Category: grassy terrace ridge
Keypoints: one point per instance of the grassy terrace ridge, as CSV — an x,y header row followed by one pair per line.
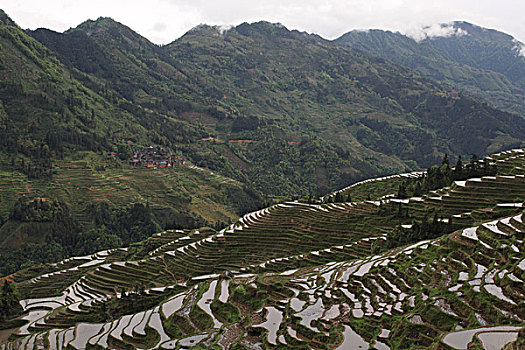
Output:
x,y
80,182
301,275
385,186
95,192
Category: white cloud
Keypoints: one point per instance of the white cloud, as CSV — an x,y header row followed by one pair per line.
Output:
x,y
519,48
434,31
328,18
224,28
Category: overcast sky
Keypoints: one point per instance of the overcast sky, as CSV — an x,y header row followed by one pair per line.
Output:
x,y
163,21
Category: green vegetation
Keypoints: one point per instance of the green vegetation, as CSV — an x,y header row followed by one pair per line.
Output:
x,y
322,118
12,324
200,318
249,296
307,275
9,302
177,325
225,312
419,231
477,62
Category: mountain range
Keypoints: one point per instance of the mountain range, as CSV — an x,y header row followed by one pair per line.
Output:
x,y
265,83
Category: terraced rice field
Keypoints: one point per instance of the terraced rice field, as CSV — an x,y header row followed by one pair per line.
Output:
x,y
79,184
299,275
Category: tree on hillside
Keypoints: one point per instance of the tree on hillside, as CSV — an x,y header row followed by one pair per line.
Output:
x,y
458,169
339,198
9,301
124,151
445,160
402,191
417,189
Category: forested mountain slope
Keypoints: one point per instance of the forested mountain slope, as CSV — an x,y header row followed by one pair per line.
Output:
x,y
262,82
480,61
60,192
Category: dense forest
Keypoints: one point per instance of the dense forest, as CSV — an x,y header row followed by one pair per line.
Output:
x,y
9,302
64,237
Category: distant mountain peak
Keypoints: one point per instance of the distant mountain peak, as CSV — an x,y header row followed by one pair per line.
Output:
x,y
261,29
110,28
261,25
6,20
207,29
265,25
105,25
104,21
99,25
478,60
450,30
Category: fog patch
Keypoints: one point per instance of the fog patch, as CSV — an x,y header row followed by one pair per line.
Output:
x,y
443,30
519,48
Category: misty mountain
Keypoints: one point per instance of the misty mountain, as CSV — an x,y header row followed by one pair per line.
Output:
x,y
482,62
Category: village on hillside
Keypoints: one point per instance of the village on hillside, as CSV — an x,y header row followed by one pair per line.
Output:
x,y
155,157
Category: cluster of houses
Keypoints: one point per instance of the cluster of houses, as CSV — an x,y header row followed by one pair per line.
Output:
x,y
154,157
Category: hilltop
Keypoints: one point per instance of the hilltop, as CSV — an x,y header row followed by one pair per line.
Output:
x,y
305,274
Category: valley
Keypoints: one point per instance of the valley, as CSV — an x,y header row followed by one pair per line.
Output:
x,y
256,187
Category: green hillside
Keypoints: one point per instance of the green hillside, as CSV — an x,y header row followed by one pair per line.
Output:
x,y
273,113
480,61
264,83
119,204
304,275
